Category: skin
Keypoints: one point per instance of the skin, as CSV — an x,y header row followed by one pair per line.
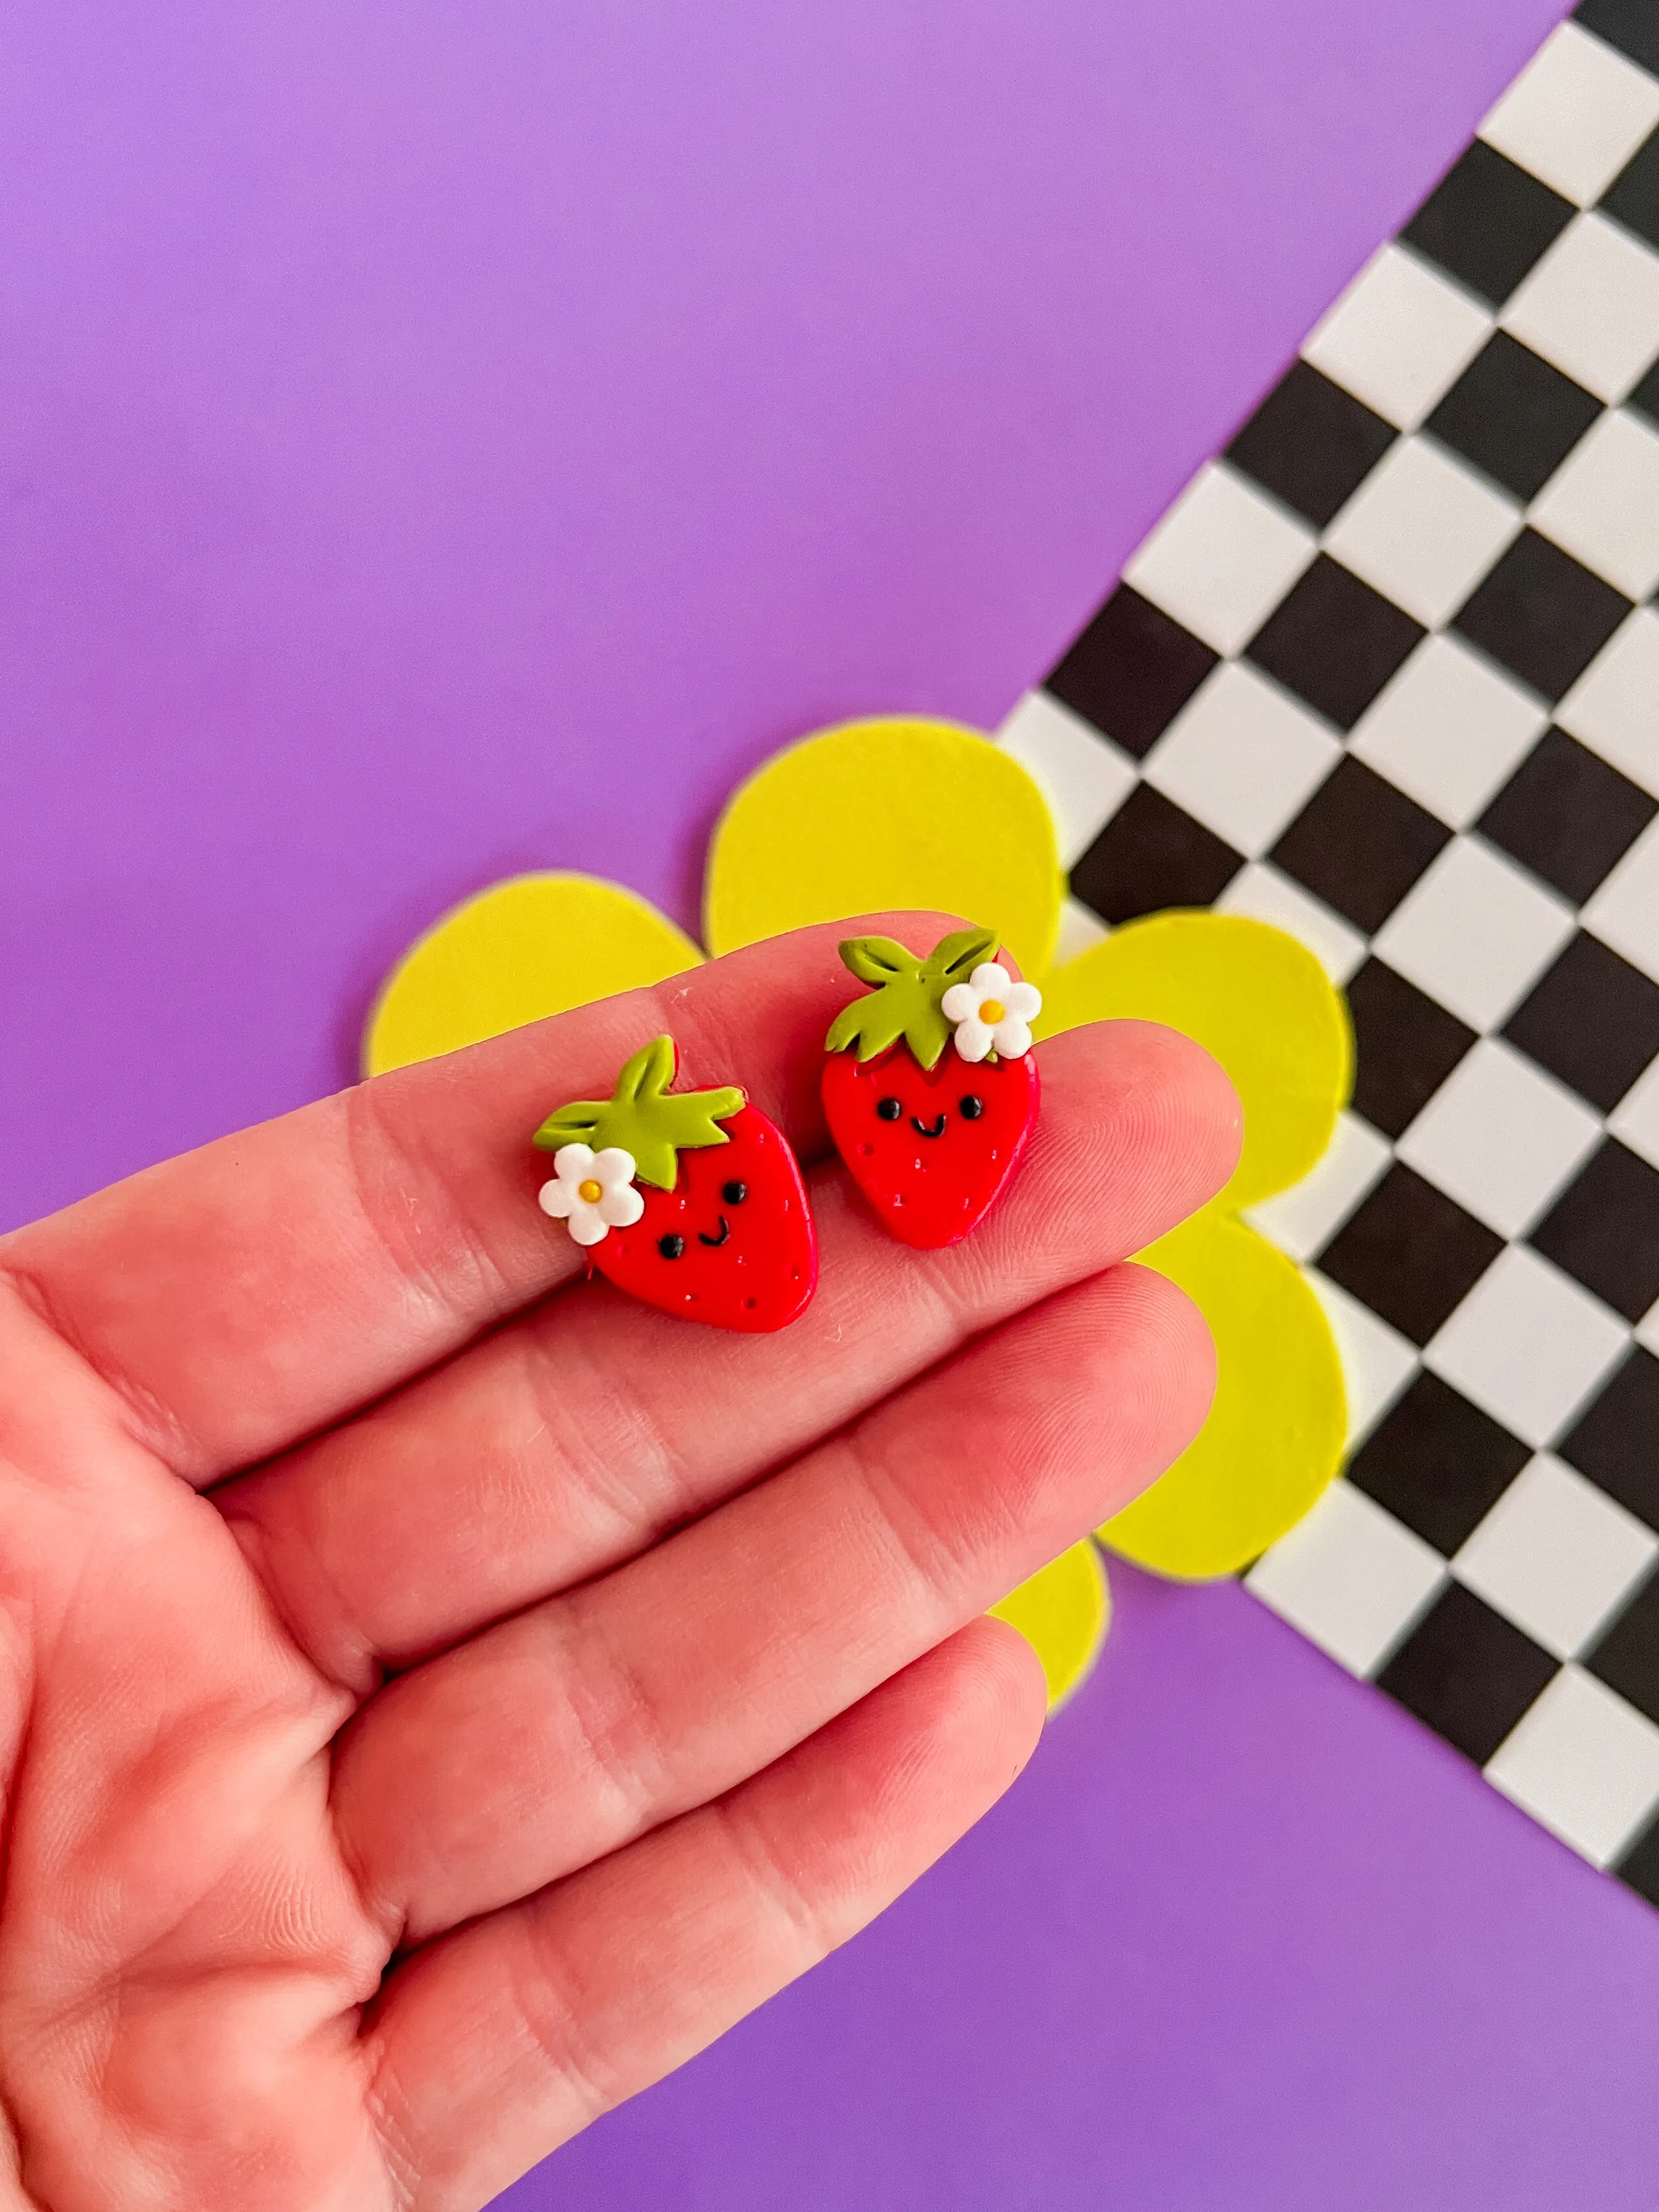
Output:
x,y
438,1695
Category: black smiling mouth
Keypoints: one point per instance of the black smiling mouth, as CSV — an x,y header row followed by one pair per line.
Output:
x,y
703,1237
922,1129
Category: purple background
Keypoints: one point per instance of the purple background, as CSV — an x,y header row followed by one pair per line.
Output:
x,y
439,441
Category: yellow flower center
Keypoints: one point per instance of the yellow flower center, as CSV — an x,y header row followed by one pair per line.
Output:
x,y
992,1010
592,1191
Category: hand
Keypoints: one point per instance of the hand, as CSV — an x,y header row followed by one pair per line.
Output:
x,y
438,1696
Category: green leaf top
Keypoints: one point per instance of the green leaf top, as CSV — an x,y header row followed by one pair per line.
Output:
x,y
641,1119
905,1002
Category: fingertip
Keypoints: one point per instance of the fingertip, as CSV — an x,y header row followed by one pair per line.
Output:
x,y
1125,1369
1157,1111
992,1702
1014,1684
1180,1357
1203,1120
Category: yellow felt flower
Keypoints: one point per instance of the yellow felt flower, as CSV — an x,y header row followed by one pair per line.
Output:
x,y
904,812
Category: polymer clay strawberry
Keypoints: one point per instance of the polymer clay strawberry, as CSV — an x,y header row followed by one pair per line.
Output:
x,y
933,1110
690,1201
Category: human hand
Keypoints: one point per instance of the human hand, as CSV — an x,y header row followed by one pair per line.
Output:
x,y
437,1696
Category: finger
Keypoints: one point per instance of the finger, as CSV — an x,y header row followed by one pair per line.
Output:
x,y
564,1733
567,1442
499,2043
253,1291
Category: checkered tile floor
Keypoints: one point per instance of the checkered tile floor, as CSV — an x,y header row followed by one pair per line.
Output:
x,y
1387,674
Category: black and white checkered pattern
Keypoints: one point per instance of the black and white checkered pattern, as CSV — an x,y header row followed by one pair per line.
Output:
x,y
1387,674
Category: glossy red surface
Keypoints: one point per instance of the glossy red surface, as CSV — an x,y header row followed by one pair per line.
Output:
x,y
748,1262
931,1171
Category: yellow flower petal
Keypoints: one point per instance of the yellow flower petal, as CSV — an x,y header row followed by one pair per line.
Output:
x,y
1063,1612
1275,1433
1248,993
897,812
525,948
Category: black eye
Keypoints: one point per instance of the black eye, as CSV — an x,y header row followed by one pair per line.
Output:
x,y
970,1108
734,1193
670,1247
889,1109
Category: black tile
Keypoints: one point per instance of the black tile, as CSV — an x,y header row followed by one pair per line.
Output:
x,y
1132,671
1438,1463
1542,614
1633,195
1487,221
1334,641
1603,1231
1407,1045
1566,815
1152,854
1310,443
1592,1019
1468,1673
1513,416
1646,395
1615,1440
1627,1657
1639,1867
1359,844
1410,1254
1632,26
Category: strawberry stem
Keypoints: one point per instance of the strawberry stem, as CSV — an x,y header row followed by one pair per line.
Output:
x,y
905,1001
640,1118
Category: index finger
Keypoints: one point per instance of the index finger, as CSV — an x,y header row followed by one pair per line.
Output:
x,y
248,1294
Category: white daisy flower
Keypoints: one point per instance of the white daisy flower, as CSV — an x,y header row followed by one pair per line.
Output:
x,y
593,1191
992,1013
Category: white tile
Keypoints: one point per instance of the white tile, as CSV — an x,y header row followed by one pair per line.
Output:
x,y
1399,338
1262,893
1635,1120
1583,1763
1602,503
1221,559
1377,1362
1556,1556
1241,757
1080,931
1350,1577
1448,730
1613,708
1084,777
1647,1331
1475,932
1302,1219
1625,911
1591,306
1422,529
1500,1137
1528,1345
1574,115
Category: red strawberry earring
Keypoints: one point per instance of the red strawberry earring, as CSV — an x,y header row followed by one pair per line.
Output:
x,y
692,1202
931,1136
